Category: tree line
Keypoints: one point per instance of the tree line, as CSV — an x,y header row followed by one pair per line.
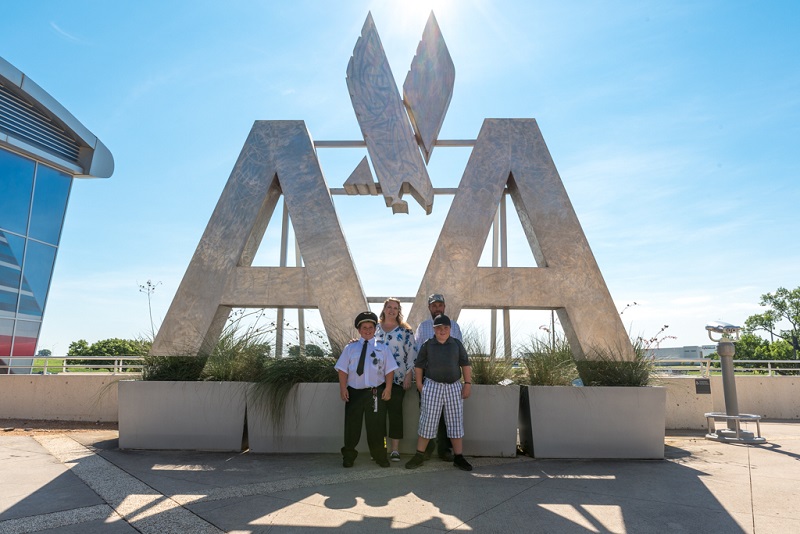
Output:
x,y
775,333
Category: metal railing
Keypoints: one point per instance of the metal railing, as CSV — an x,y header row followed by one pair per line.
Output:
x,y
47,365
682,366
706,367
765,367
115,365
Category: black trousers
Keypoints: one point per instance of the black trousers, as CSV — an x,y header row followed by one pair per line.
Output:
x,y
361,406
394,409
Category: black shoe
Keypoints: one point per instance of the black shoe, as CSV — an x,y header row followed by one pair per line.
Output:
x,y
447,456
348,457
462,463
383,462
415,462
429,450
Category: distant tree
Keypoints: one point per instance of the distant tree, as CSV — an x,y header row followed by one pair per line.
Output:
x,y
45,353
79,348
119,347
107,347
780,350
751,347
783,307
311,350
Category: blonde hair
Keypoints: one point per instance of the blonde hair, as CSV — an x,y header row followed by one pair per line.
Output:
x,y
400,319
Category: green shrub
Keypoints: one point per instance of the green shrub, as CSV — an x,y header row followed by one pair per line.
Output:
x,y
166,368
608,367
486,367
242,354
548,364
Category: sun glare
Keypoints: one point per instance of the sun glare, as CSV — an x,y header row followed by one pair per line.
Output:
x,y
411,15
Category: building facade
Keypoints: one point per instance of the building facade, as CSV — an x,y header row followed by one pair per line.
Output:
x,y
43,148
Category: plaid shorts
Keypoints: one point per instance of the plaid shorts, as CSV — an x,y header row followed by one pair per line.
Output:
x,y
436,395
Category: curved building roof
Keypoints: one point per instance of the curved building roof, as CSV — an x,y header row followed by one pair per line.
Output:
x,y
33,122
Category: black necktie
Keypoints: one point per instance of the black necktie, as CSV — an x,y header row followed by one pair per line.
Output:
x,y
360,368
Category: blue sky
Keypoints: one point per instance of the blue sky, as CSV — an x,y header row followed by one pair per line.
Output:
x,y
674,126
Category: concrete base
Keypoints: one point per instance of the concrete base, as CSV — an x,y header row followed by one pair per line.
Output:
x,y
67,397
202,416
490,421
314,423
597,422
86,397
315,417
731,436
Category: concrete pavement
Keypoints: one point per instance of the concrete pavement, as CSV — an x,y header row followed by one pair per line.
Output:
x,y
83,483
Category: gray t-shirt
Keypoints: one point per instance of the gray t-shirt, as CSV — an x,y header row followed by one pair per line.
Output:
x,y
442,362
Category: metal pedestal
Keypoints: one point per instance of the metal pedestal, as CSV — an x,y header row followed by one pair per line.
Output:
x,y
734,434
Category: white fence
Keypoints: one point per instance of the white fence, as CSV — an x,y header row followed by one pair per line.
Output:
x,y
49,365
706,367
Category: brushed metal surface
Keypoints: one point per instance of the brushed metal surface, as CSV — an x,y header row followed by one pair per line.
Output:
x,y
361,181
428,87
277,159
391,144
512,152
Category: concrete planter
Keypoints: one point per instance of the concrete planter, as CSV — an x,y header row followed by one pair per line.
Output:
x,y
207,416
593,422
314,422
490,421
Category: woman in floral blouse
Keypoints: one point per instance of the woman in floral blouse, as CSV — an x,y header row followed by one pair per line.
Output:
x,y
395,333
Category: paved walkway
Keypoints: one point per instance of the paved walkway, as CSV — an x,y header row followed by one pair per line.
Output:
x,y
82,483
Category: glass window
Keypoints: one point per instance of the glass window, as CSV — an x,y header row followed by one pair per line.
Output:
x,y
6,329
36,274
16,181
49,203
11,249
25,338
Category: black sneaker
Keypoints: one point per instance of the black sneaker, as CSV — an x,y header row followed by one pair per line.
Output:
x,y
383,462
347,463
462,463
415,462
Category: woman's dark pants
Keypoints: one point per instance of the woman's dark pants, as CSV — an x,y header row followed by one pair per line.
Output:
x,y
394,409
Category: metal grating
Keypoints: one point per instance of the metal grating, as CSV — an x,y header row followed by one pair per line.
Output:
x,y
22,120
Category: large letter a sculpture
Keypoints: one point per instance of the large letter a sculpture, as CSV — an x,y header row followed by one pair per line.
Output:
x,y
512,152
277,158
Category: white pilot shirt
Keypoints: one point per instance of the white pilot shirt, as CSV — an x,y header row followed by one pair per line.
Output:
x,y
378,363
